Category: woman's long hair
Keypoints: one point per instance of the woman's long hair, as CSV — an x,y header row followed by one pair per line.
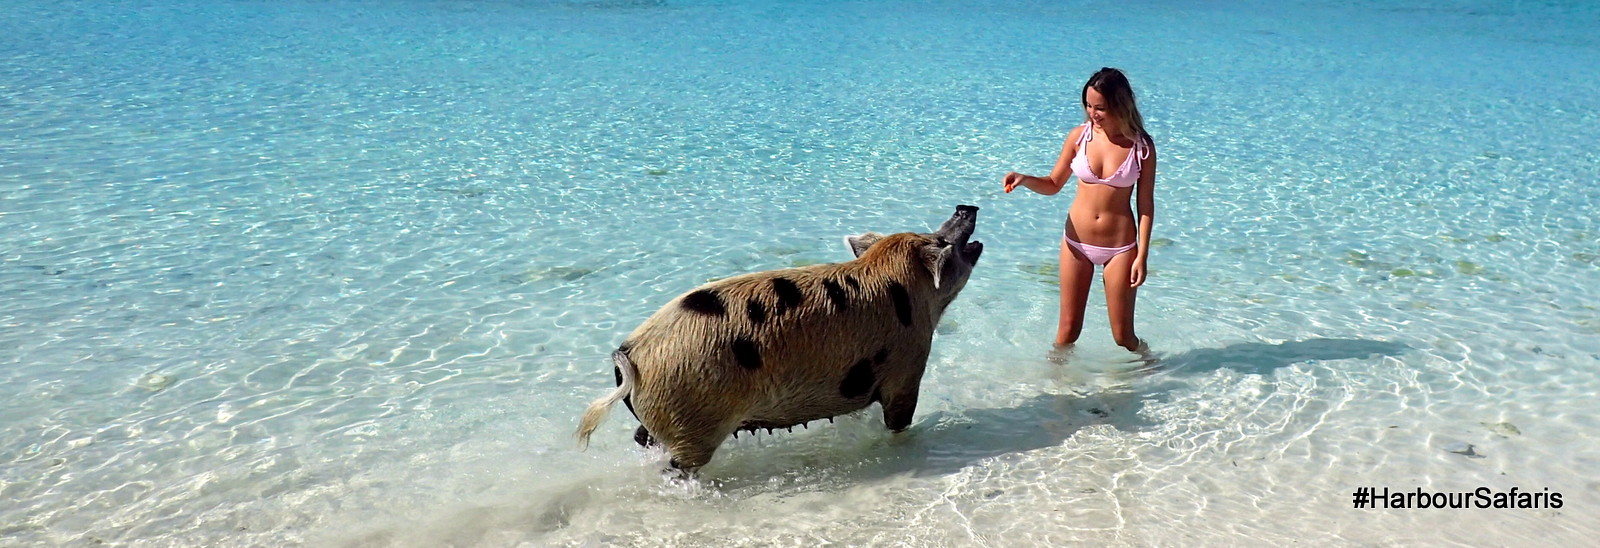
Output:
x,y
1113,85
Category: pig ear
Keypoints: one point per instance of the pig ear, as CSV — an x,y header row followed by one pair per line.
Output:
x,y
933,257
859,243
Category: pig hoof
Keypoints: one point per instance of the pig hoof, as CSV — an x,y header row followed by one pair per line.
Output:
x,y
643,438
678,472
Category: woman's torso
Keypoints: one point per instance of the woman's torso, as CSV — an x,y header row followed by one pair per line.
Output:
x,y
1100,213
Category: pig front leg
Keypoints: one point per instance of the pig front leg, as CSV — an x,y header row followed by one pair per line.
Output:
x,y
899,392
898,409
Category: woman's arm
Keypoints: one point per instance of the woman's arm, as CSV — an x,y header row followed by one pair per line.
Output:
x,y
1058,176
1145,196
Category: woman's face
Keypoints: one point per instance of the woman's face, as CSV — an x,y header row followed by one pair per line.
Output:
x,y
1098,110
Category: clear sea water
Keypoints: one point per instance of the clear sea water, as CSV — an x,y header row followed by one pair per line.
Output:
x,y
346,272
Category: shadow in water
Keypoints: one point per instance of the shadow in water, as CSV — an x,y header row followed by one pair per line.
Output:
x,y
948,441
940,443
1262,359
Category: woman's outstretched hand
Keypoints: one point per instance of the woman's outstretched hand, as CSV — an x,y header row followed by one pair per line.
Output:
x,y
1011,180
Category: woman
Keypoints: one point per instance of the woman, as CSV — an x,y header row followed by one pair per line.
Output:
x,y
1114,160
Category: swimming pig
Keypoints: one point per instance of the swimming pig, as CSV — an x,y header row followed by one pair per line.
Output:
x,y
781,348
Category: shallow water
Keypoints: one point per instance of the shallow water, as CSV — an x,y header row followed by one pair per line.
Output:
x,y
345,273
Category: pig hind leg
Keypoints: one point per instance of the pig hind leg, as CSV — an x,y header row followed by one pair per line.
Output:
x,y
643,438
689,453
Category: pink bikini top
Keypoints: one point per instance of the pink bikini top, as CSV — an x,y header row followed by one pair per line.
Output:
x,y
1123,177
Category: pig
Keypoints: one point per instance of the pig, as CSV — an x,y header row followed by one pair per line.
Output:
x,y
781,348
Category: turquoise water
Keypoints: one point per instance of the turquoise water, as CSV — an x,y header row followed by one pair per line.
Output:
x,y
345,273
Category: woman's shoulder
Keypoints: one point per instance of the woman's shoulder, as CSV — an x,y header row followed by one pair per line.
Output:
x,y
1146,142
1077,132
1146,148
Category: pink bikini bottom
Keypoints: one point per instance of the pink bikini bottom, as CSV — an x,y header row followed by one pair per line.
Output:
x,y
1096,254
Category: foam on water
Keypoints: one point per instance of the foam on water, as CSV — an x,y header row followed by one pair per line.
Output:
x,y
345,273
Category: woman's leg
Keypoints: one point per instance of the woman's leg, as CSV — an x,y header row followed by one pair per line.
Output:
x,y
1120,297
1076,275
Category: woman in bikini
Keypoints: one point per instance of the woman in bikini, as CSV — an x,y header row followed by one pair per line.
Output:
x,y
1101,228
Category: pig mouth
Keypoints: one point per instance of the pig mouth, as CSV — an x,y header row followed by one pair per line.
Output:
x,y
958,229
